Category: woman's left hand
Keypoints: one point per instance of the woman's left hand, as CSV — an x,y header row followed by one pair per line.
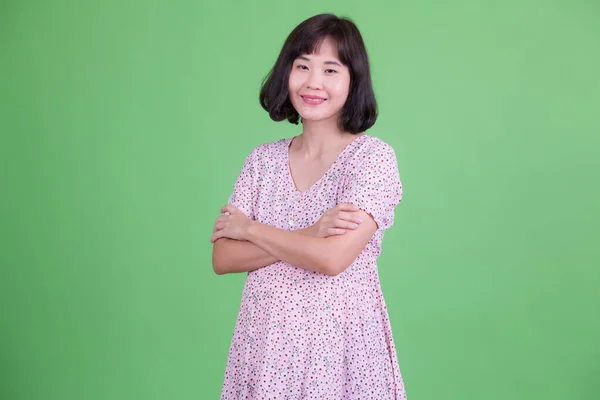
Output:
x,y
232,226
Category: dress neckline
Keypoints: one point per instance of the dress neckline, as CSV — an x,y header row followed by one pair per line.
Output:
x,y
288,142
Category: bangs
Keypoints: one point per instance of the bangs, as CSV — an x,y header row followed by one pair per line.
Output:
x,y
309,42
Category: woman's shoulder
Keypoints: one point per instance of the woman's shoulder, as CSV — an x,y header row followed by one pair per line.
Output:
x,y
373,145
270,149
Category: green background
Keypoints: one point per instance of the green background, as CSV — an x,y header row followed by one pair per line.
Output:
x,y
125,123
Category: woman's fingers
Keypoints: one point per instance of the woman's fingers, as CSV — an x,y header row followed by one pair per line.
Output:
x,y
217,235
349,217
218,226
345,224
335,231
220,222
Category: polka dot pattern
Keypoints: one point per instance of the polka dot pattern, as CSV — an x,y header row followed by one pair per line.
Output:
x,y
305,335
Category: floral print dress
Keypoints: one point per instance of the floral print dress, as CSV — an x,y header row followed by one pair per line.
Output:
x,y
302,334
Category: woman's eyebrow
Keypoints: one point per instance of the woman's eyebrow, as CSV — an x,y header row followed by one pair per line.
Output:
x,y
326,62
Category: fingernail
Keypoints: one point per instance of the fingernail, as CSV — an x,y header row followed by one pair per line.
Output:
x,y
358,220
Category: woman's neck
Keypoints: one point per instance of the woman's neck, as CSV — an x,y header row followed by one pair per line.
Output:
x,y
320,138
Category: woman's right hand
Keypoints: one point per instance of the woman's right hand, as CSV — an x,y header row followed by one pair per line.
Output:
x,y
336,221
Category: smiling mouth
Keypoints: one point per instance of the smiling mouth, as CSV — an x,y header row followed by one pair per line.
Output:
x,y
313,100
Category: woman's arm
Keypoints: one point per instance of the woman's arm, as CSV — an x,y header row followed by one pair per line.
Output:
x,y
329,256
233,256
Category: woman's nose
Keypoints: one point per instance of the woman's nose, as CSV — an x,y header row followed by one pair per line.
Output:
x,y
315,80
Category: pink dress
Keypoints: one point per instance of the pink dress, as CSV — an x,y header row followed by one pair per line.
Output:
x,y
302,334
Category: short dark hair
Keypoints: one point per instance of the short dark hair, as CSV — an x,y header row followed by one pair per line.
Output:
x,y
360,110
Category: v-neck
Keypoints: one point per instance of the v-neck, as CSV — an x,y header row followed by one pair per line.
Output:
x,y
289,169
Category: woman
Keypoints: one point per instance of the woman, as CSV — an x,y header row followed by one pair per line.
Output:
x,y
306,221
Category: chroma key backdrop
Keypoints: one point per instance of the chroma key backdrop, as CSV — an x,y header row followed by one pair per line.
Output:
x,y
124,126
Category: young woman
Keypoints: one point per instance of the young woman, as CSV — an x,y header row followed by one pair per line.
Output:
x,y
306,221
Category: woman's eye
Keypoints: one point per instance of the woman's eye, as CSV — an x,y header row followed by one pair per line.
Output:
x,y
330,70
302,67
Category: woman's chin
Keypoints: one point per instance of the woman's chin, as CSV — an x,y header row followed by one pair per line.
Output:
x,y
315,117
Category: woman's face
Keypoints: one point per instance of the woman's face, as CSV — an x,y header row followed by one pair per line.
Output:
x,y
319,83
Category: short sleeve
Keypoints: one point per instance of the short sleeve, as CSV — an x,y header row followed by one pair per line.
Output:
x,y
244,192
374,184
